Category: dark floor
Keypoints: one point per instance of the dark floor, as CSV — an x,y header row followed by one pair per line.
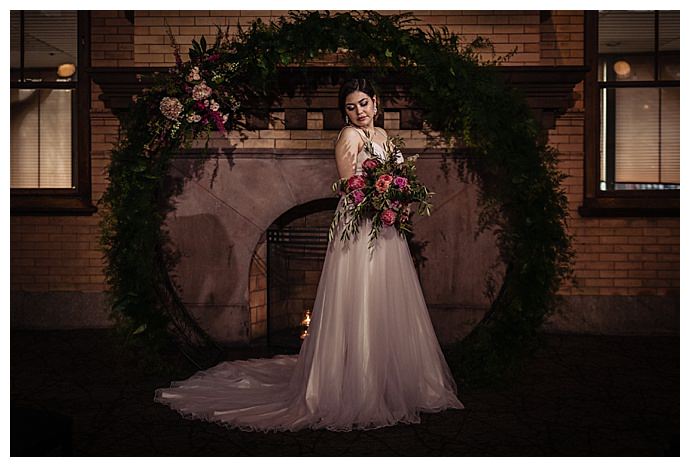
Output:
x,y
75,392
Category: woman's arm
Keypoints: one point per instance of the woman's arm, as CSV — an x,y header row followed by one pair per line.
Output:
x,y
346,149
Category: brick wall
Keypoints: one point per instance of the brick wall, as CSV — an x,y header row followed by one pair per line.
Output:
x,y
55,254
112,42
615,256
518,30
562,38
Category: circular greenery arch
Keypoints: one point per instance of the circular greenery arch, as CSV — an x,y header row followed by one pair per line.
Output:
x,y
485,125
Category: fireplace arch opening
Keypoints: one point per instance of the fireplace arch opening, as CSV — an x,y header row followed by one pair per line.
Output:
x,y
285,271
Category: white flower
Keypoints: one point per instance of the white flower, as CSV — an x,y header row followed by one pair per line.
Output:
x,y
194,74
171,108
201,91
193,118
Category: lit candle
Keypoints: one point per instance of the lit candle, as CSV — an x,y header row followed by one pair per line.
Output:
x,y
305,323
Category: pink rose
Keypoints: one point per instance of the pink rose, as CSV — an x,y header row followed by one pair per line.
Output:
x,y
383,183
400,182
357,196
388,217
356,182
370,164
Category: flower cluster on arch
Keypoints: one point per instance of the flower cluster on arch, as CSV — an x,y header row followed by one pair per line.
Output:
x,y
195,97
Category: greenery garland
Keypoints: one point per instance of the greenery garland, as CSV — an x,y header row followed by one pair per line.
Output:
x,y
486,126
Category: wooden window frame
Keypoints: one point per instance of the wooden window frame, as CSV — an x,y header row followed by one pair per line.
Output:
x,y
596,202
77,200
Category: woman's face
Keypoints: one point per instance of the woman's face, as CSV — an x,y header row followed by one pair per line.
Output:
x,y
359,108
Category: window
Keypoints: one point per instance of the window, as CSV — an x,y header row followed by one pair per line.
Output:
x,y
632,160
49,102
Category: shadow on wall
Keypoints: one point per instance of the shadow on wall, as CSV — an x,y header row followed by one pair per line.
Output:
x,y
205,270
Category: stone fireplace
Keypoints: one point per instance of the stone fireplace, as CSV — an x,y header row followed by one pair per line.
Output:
x,y
251,229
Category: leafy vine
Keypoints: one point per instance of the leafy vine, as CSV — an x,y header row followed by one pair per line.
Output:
x,y
487,128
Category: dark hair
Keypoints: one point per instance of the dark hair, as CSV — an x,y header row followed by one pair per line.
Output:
x,y
358,84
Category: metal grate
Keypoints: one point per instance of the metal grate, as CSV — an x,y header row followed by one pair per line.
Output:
x,y
300,242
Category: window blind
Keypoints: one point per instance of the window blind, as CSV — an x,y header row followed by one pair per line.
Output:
x,y
40,138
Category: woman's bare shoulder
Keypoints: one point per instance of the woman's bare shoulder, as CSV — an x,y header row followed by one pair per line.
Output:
x,y
382,131
349,134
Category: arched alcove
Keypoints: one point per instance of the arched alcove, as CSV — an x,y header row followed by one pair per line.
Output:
x,y
241,194
296,248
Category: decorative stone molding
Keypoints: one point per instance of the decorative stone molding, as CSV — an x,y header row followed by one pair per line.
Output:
x,y
548,91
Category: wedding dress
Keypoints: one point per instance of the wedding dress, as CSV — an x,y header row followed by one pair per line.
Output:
x,y
371,358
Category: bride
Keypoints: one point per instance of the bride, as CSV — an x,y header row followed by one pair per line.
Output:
x,y
371,358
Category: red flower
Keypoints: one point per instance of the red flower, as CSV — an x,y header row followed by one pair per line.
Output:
x,y
388,217
370,164
356,182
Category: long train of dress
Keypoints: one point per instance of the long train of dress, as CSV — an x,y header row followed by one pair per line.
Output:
x,y
371,358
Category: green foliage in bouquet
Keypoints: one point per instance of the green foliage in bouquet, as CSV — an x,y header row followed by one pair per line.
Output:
x,y
383,192
488,130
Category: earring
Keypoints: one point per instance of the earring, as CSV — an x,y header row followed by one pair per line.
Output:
x,y
347,120
376,110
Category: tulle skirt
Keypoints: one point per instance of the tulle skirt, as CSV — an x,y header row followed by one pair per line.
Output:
x,y
371,358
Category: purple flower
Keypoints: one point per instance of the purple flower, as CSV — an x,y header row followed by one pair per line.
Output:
x,y
219,121
400,182
357,196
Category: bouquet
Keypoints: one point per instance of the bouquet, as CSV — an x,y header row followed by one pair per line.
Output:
x,y
197,96
383,192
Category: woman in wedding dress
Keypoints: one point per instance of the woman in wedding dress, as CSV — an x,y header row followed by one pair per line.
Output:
x,y
371,358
